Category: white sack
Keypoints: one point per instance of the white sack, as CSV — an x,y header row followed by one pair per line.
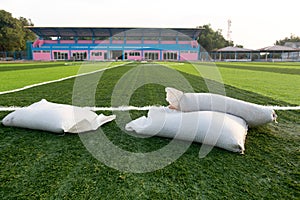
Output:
x,y
207,127
253,114
56,118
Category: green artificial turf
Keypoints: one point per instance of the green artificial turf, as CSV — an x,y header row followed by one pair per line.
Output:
x,y
17,75
41,165
276,80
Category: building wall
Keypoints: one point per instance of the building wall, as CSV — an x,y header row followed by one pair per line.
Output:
x,y
97,55
42,55
189,55
64,49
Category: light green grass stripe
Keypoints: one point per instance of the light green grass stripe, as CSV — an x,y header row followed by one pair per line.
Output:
x,y
284,87
282,65
13,79
57,80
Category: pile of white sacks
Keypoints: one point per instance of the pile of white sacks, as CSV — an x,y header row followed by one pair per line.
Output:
x,y
205,118
198,117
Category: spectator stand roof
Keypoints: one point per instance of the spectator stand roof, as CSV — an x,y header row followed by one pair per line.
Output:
x,y
234,49
193,33
279,49
278,52
233,54
270,53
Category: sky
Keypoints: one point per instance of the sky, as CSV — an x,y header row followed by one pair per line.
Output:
x,y
254,24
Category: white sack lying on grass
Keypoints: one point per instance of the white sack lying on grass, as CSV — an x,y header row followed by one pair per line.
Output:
x,y
57,118
208,127
253,114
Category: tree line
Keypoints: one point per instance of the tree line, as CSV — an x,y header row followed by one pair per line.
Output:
x,y
292,38
212,40
14,35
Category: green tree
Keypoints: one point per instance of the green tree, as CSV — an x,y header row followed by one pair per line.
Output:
x,y
13,35
212,40
292,38
240,46
28,34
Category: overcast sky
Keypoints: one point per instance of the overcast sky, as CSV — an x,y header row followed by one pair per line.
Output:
x,y
255,23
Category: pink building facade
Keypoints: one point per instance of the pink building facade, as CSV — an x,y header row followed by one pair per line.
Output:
x,y
56,43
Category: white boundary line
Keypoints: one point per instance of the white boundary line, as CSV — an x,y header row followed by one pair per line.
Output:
x,y
12,108
284,108
120,108
58,80
127,108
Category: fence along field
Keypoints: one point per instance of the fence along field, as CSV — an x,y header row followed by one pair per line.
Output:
x,y
42,165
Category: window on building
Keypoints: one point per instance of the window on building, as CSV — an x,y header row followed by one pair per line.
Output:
x,y
134,53
151,56
60,56
170,56
97,54
79,56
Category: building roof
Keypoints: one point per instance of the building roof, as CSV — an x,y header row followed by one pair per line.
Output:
x,y
234,49
278,48
110,31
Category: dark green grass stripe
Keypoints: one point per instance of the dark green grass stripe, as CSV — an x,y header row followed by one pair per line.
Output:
x,y
29,67
262,69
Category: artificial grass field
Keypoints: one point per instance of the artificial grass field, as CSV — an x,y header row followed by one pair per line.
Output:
x,y
41,165
32,73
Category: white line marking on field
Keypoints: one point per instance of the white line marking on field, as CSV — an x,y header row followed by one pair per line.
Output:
x,y
121,108
128,108
284,108
58,80
12,108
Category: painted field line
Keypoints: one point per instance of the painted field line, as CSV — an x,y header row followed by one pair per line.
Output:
x,y
12,108
120,108
284,108
128,108
58,80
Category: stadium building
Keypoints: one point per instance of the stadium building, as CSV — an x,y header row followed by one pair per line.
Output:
x,y
66,43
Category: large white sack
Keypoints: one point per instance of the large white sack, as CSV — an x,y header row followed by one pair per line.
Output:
x,y
207,127
57,118
253,114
